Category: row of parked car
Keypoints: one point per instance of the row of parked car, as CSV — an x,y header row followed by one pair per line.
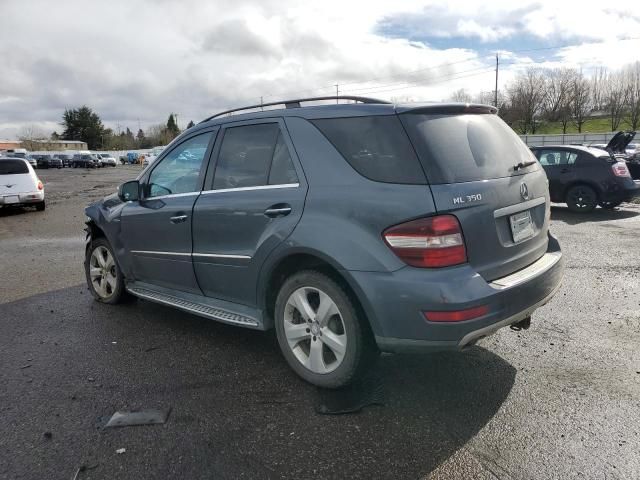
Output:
x,y
85,159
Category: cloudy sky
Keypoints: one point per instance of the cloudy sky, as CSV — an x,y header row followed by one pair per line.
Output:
x,y
134,61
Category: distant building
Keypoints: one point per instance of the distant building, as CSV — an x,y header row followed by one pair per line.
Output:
x,y
37,145
7,144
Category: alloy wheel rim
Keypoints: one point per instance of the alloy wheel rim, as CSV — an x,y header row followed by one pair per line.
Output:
x,y
582,198
314,330
102,271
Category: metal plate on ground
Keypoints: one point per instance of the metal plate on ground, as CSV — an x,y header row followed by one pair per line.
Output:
x,y
138,417
353,398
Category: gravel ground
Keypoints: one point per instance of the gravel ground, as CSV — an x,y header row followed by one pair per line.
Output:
x,y
560,400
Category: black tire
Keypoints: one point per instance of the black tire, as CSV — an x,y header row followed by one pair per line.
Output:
x,y
609,205
41,206
581,199
118,293
360,351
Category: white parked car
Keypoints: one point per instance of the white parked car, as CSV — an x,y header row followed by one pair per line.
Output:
x,y
19,184
106,159
150,157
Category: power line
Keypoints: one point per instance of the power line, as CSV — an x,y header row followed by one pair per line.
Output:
x,y
415,81
429,83
434,80
375,79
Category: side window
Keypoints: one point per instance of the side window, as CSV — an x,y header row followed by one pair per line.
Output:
x,y
552,158
571,158
282,169
253,155
376,147
549,158
179,171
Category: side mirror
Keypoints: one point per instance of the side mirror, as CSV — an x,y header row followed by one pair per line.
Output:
x,y
129,191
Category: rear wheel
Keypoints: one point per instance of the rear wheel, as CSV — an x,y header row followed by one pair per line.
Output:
x,y
609,205
40,206
104,278
322,335
581,198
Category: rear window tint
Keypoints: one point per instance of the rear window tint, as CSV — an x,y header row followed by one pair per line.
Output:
x,y
376,147
13,167
466,148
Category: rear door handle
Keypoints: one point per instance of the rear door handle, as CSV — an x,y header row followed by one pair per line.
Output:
x,y
179,218
279,210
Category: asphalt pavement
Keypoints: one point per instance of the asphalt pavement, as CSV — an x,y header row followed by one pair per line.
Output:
x,y
560,400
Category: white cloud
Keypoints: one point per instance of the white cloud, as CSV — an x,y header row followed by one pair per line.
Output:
x,y
138,60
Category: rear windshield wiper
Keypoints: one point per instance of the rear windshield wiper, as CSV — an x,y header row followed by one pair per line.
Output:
x,y
523,165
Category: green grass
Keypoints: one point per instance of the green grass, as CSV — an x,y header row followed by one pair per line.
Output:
x,y
593,125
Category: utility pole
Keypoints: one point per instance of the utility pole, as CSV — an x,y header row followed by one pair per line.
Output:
x,y
337,92
175,115
495,94
261,108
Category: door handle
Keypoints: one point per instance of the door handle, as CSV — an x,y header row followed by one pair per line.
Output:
x,y
279,210
179,218
565,170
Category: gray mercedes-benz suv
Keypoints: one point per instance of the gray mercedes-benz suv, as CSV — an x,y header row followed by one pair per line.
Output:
x,y
349,228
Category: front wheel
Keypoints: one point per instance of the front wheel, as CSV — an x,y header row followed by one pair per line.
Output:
x,y
104,277
581,198
323,337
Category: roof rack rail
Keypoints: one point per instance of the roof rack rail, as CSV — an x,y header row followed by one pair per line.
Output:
x,y
295,103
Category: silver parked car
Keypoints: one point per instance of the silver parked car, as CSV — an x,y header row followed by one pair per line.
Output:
x,y
106,159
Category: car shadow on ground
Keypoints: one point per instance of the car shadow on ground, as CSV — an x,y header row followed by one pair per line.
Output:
x,y
11,211
563,214
238,411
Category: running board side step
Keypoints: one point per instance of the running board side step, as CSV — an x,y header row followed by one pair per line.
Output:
x,y
193,305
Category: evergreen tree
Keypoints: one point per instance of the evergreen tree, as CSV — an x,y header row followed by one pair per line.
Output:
x,y
140,135
190,124
84,125
172,126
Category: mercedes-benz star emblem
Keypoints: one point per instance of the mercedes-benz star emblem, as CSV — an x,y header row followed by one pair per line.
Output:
x,y
524,191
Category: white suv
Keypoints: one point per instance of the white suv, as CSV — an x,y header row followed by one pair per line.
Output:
x,y
19,184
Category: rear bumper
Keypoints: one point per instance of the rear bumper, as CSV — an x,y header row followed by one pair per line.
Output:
x,y
633,191
395,302
22,198
626,191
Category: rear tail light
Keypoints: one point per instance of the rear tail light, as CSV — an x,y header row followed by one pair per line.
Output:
x,y
457,315
430,242
40,185
620,169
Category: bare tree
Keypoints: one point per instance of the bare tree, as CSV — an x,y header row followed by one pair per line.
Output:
x,y
581,98
33,139
597,87
526,99
632,87
461,96
615,98
557,87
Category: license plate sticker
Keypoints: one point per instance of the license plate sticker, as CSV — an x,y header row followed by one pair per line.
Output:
x,y
11,199
521,226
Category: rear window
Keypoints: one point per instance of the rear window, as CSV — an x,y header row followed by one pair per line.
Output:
x,y
466,148
13,167
376,147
